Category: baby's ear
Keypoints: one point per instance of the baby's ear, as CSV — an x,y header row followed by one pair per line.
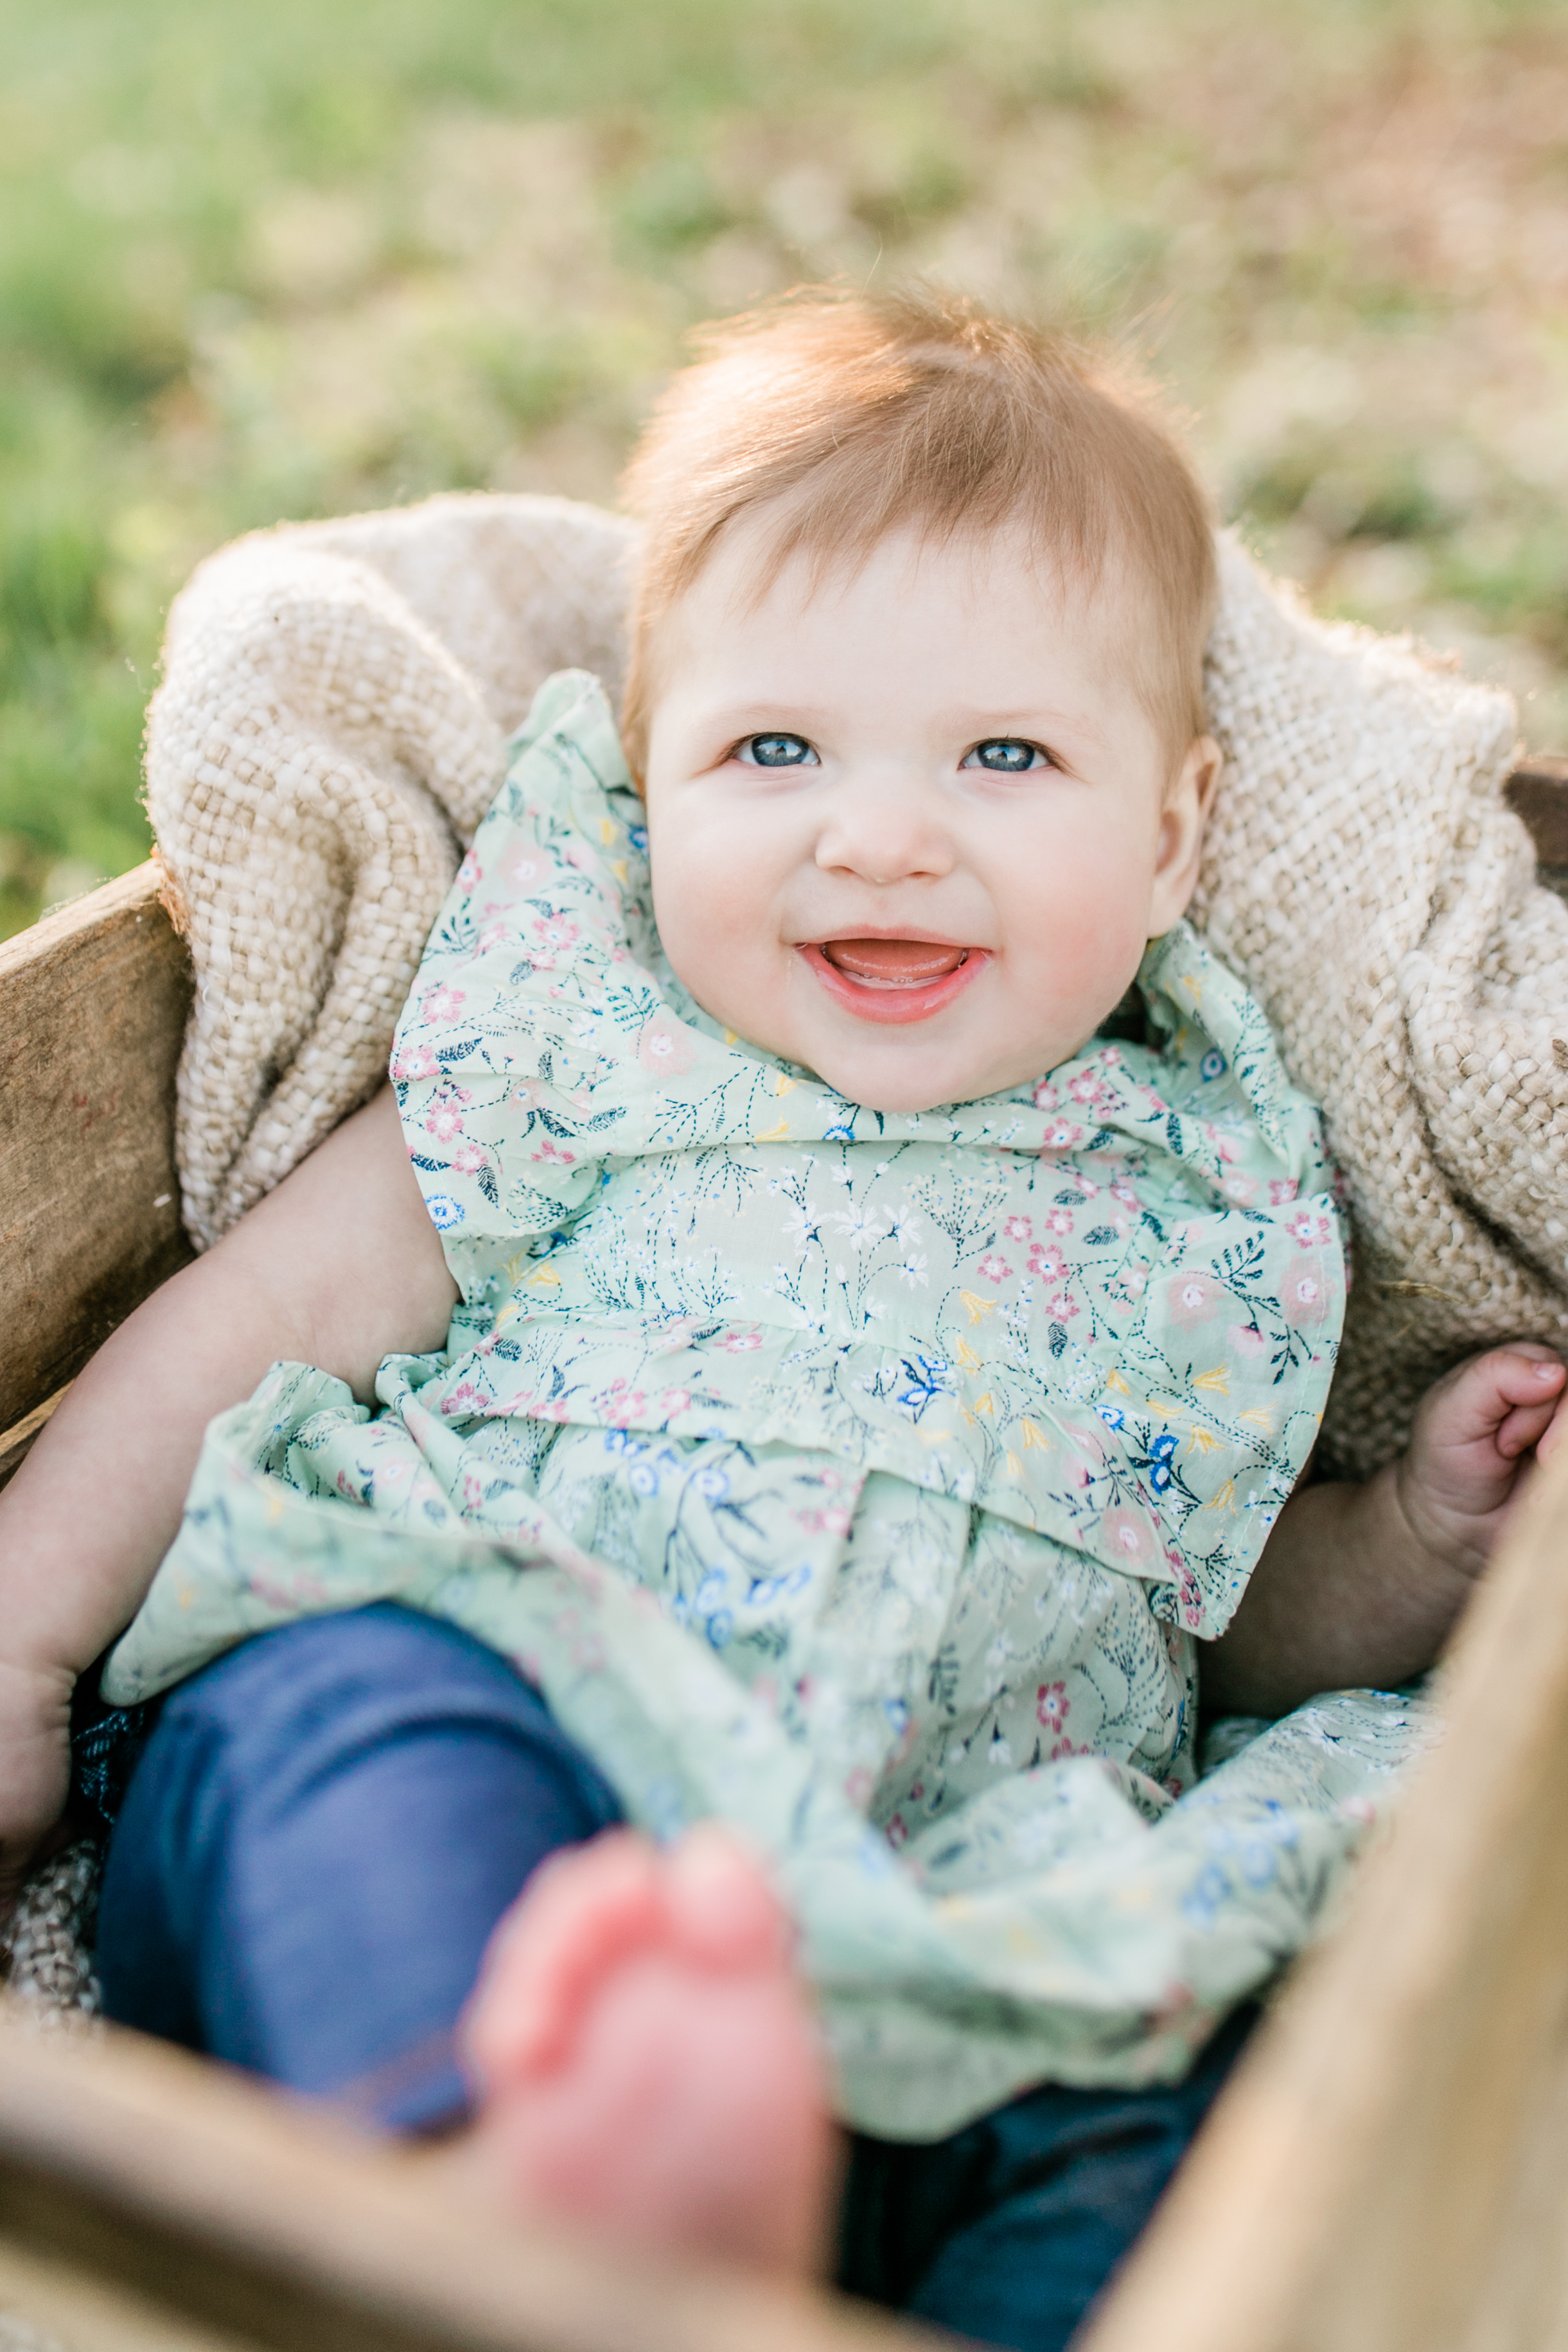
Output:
x,y
1186,812
1206,759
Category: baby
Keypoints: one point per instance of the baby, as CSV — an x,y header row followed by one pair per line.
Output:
x,y
840,1360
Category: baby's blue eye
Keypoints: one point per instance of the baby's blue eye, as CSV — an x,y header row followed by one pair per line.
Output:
x,y
1004,756
777,752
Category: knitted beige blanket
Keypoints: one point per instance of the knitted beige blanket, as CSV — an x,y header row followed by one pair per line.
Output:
x,y
330,728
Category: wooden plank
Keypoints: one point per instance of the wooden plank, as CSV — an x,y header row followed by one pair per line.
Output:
x,y
1538,791
92,1013
168,2182
50,2308
13,1446
1389,2170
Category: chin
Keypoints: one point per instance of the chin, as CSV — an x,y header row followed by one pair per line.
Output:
x,y
900,1096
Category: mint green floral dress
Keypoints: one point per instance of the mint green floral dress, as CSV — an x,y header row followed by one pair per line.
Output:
x,y
869,1481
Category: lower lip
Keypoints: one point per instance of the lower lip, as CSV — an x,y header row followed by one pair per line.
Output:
x,y
894,1004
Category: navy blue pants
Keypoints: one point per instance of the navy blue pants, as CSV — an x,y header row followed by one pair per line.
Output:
x,y
320,1833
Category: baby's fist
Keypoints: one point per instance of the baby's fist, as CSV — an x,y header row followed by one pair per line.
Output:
x,y
1469,1448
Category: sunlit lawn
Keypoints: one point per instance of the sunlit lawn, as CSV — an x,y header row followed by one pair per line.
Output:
x,y
288,260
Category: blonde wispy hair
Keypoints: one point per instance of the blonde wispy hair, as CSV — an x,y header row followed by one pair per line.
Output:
x,y
834,419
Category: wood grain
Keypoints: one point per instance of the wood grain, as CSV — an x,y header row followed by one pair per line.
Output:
x,y
175,2186
92,1013
1388,2172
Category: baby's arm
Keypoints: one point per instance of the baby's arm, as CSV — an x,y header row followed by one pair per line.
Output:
x,y
338,1267
1362,1585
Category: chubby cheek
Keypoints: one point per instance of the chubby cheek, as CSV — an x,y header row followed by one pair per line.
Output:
x,y
711,907
1079,912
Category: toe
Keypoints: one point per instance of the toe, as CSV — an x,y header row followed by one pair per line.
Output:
x,y
580,1917
723,1914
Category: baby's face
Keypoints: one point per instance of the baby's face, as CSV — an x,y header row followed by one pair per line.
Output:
x,y
913,828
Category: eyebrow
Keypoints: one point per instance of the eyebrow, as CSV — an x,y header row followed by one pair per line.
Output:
x,y
977,722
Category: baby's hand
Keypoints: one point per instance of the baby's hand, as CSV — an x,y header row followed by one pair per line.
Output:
x,y
1470,1448
35,1768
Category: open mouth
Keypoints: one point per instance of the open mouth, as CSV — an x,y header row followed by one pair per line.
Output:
x,y
893,980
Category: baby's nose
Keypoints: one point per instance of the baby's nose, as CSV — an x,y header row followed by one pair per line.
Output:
x,y
885,835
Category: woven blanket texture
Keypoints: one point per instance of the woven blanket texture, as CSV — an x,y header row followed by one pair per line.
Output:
x,y
45,1946
329,730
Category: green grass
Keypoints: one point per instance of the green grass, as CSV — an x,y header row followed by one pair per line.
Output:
x,y
306,259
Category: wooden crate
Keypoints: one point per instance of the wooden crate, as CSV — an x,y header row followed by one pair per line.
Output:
x,y
1388,2172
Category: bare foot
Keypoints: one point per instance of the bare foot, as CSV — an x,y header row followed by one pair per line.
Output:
x,y
646,2059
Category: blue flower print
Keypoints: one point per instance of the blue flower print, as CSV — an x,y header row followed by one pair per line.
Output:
x,y
929,1378
1213,1064
445,1212
1160,1457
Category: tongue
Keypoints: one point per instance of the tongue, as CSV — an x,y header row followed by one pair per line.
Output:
x,y
903,963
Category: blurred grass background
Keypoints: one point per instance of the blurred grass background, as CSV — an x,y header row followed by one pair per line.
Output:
x,y
327,254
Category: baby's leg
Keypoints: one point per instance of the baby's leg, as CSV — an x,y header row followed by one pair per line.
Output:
x,y
313,1857
316,1844
647,2057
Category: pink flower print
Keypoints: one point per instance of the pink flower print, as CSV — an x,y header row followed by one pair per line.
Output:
x,y
1225,1147
674,1401
1191,1594
833,1519
738,1343
1063,1749
525,868
443,1123
1046,1096
1046,1262
897,1832
1246,1339
1019,1229
469,1158
443,1003
493,936
411,1061
623,1404
1085,1184
1307,1230
557,931
1111,1056
1060,1135
1193,1298
463,1399
994,1268
1282,1190
1061,1306
470,871
1127,1533
1122,1190
1086,1086
665,1048
1052,1705
1304,1293
1059,1220
1240,1188
554,1152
